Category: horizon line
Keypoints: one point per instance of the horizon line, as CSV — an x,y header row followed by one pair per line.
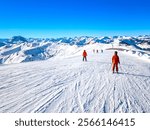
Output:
x,y
76,36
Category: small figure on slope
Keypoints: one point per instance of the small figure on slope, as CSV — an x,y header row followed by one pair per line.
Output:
x,y
84,55
115,61
93,50
96,51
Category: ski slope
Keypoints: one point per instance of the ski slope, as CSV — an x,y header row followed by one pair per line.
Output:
x,y
67,84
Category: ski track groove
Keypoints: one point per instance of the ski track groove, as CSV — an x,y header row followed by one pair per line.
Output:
x,y
133,84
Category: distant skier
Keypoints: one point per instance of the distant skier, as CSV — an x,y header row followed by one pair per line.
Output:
x,y
96,51
84,55
93,50
115,61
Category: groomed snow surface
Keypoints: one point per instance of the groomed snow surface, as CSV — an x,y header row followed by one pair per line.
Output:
x,y
67,84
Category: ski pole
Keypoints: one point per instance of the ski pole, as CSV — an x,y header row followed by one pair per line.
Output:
x,y
110,67
120,67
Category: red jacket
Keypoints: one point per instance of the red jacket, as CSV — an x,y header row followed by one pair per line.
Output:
x,y
84,54
115,59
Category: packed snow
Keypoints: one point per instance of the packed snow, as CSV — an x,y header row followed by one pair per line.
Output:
x,y
62,82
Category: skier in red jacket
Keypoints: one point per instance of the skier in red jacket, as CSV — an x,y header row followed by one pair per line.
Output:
x,y
84,55
115,61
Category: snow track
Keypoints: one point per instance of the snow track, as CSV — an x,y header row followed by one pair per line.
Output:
x,y
70,85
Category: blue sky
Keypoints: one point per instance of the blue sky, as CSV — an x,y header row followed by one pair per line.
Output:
x,y
59,18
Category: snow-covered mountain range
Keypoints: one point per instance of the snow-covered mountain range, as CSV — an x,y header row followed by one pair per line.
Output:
x,y
19,49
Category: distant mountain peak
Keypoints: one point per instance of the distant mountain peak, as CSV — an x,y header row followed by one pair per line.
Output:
x,y
18,39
